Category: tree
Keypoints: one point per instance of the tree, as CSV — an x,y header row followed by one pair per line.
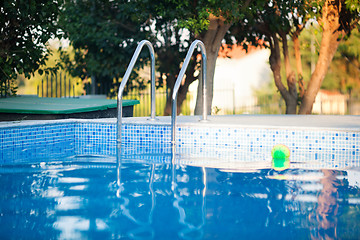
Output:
x,y
344,72
25,28
35,82
104,40
337,19
170,54
278,22
207,21
104,35
171,42
221,16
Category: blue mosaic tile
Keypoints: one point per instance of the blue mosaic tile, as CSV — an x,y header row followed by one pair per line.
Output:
x,y
248,144
153,141
100,139
33,142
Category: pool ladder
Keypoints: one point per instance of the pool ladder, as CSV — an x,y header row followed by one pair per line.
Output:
x,y
196,43
178,82
125,80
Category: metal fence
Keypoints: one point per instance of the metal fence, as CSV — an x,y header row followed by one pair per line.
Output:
x,y
269,104
229,102
8,88
4,88
61,85
144,108
56,85
265,104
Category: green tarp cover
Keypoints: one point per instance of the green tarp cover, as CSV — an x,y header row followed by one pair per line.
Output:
x,y
37,105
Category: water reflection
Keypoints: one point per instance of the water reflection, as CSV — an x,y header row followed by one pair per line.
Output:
x,y
178,200
190,201
133,204
326,215
165,201
118,164
198,203
280,164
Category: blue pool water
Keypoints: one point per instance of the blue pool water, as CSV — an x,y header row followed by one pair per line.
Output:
x,y
59,180
80,199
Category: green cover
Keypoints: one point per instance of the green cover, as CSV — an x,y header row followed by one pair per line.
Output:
x,y
37,105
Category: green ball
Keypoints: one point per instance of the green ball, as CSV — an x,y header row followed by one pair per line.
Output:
x,y
280,151
280,164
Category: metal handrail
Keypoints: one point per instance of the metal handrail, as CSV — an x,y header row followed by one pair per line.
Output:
x,y
178,82
126,78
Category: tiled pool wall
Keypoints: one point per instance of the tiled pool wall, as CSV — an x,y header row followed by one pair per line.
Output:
x,y
100,139
244,144
39,141
59,140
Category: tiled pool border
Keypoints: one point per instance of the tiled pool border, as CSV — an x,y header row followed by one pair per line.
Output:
x,y
230,142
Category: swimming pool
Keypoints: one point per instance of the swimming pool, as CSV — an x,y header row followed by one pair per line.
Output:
x,y
59,180
226,138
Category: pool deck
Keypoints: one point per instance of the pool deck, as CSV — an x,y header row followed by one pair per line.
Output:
x,y
320,122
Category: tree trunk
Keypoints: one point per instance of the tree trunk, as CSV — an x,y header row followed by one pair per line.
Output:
x,y
328,206
93,85
291,94
329,44
275,65
170,85
180,100
184,87
299,69
212,41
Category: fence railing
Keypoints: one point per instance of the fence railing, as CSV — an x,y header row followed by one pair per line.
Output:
x,y
265,104
143,109
268,104
56,85
61,85
229,102
7,88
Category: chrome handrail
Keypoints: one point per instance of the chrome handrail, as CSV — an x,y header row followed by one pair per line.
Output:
x,y
126,78
178,82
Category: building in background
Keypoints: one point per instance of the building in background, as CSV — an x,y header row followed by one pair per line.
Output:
x,y
330,102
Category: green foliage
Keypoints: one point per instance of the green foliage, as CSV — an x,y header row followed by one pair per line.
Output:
x,y
353,5
194,15
25,28
278,22
344,72
30,86
266,18
104,35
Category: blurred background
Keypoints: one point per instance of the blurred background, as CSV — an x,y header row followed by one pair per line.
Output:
x,y
84,47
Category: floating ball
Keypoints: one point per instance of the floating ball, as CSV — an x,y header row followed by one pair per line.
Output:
x,y
280,151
